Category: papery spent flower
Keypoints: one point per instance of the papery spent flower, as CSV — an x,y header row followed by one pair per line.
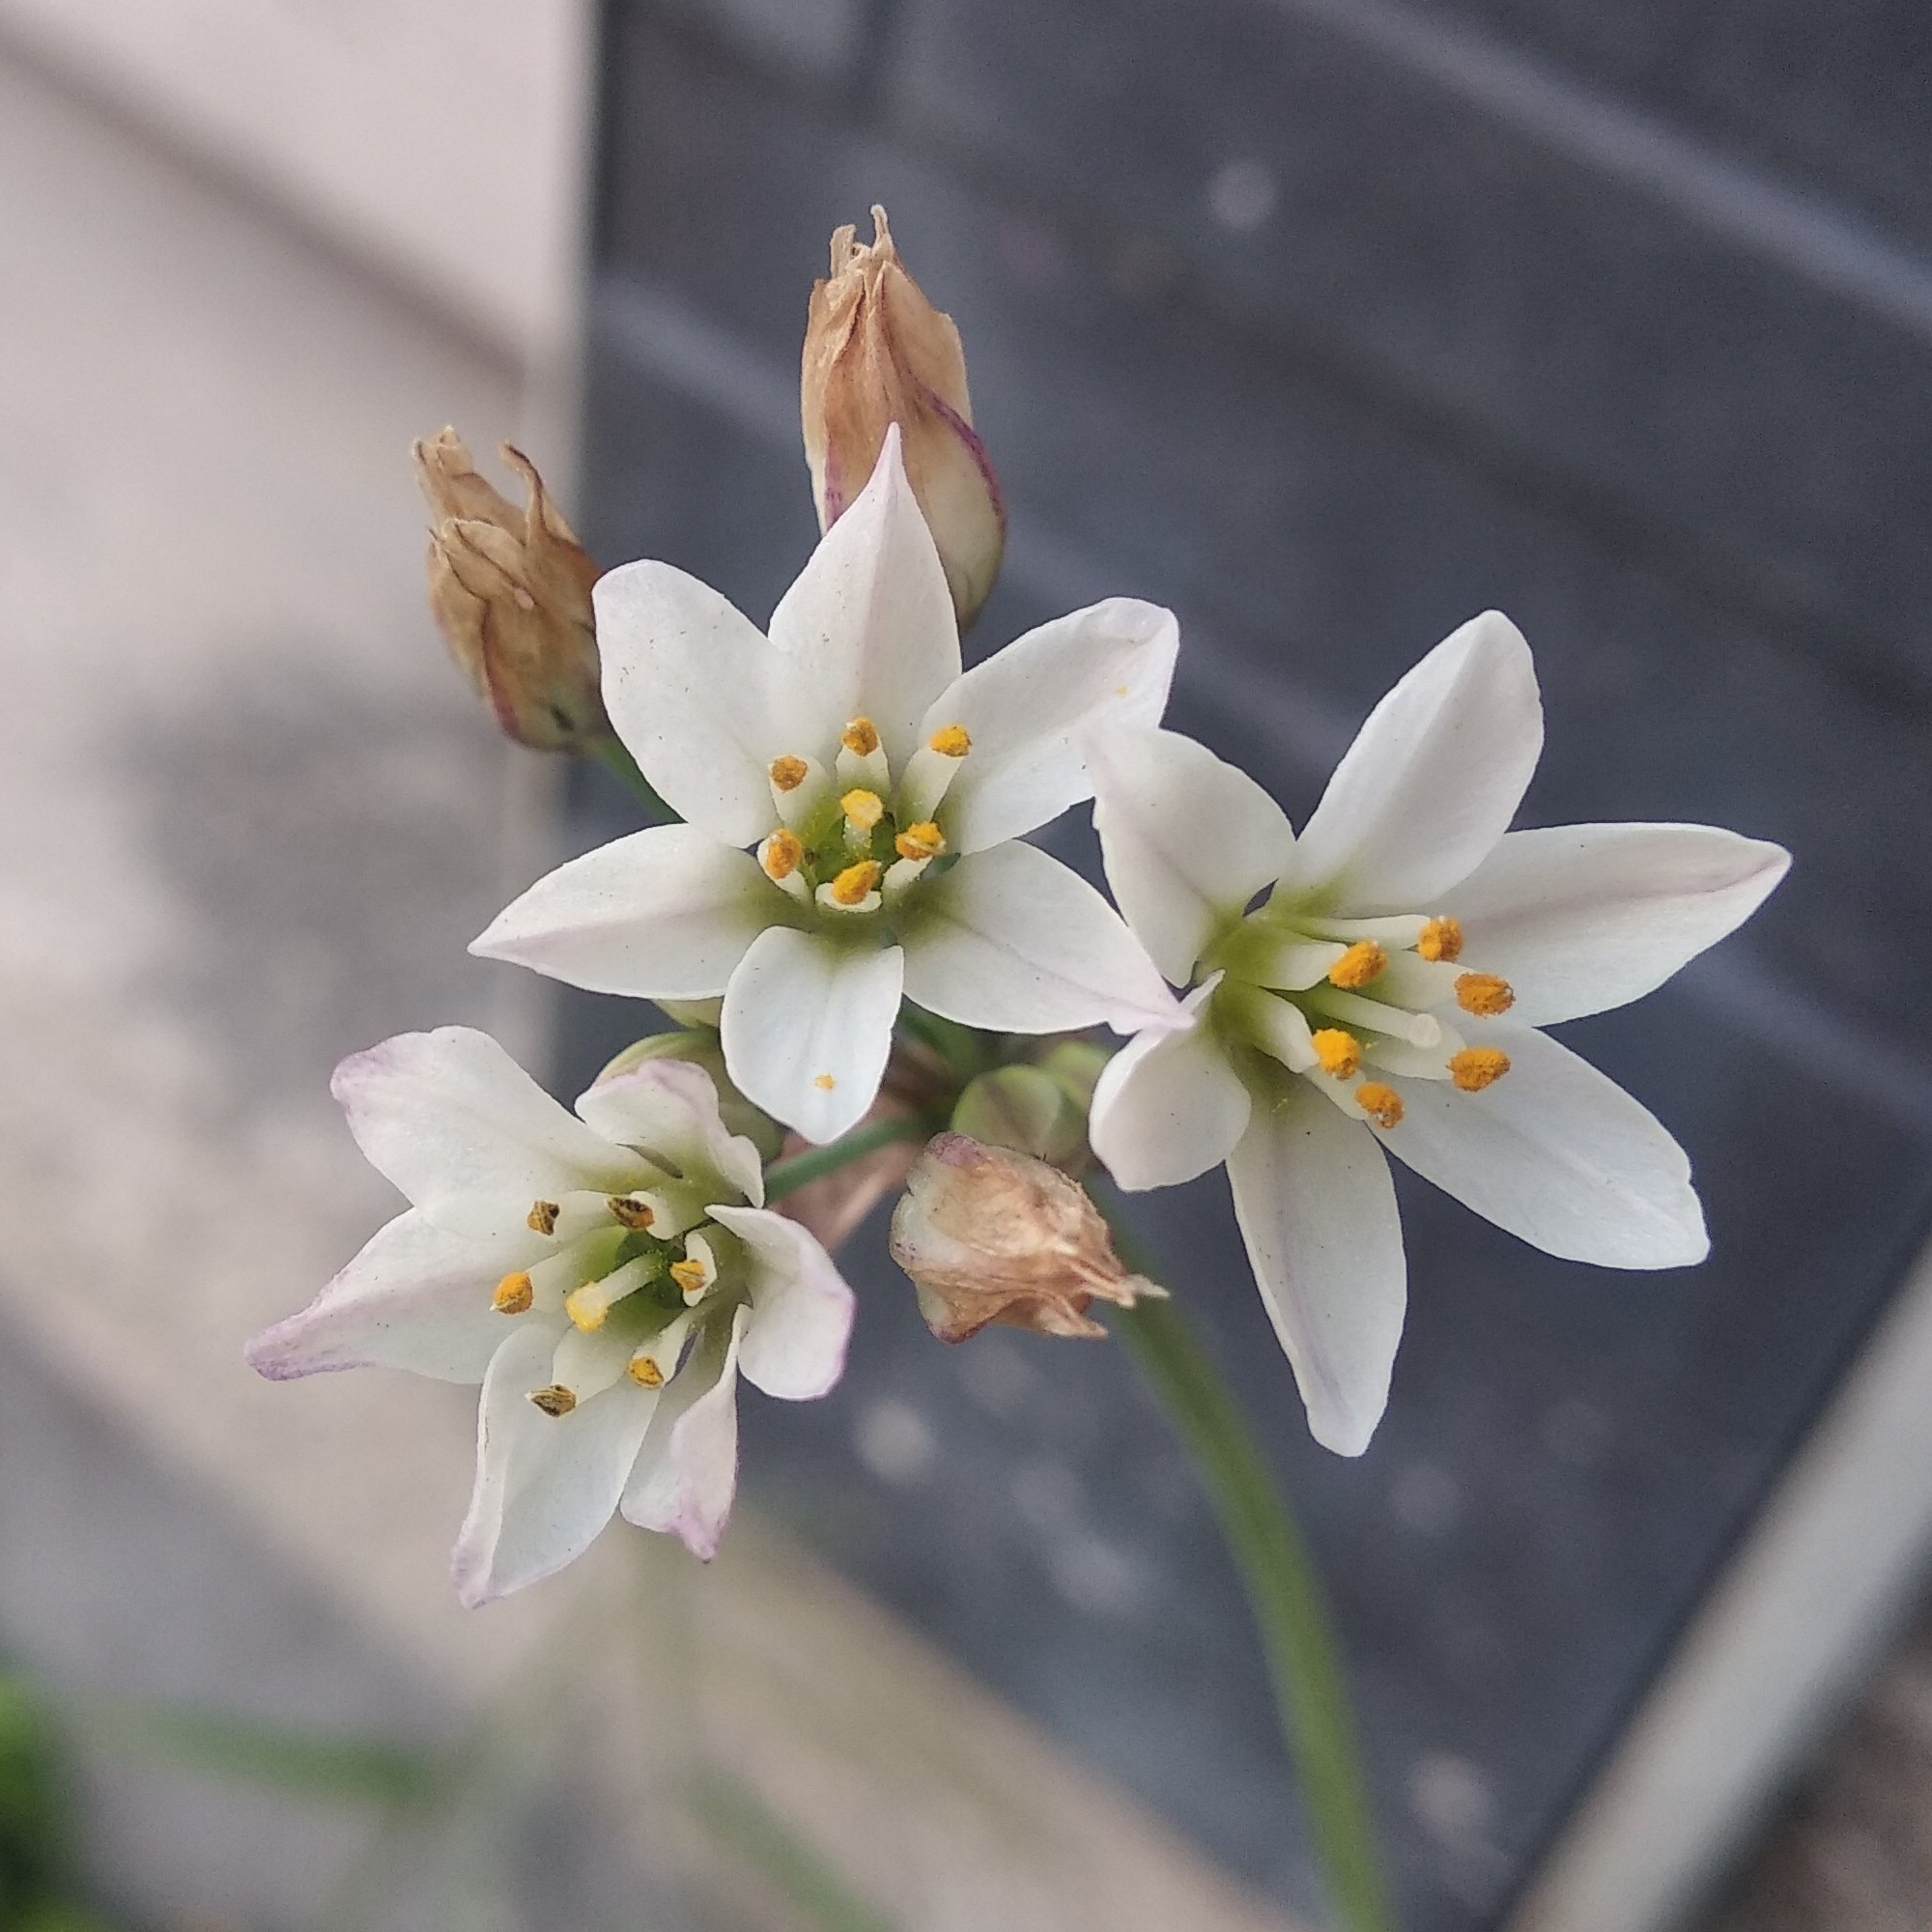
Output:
x,y
989,1234
511,593
1389,993
877,352
886,794
607,1276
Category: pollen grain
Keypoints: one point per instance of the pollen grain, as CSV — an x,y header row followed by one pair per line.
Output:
x,y
781,854
514,1294
644,1371
855,882
860,737
924,841
950,741
1442,940
788,772
1484,994
862,808
1363,963
1339,1051
1478,1066
1381,1104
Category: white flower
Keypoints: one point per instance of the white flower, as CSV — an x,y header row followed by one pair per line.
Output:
x,y
606,1278
885,792
1389,989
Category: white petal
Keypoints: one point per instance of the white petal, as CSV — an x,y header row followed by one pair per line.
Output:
x,y
687,1475
664,913
807,1027
697,694
1167,1105
1432,778
671,1106
415,1298
869,626
801,1310
1012,941
1317,1209
545,1484
465,1133
1560,1156
1187,839
1031,709
1583,918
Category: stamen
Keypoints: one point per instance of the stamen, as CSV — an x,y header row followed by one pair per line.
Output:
x,y
1364,961
862,808
689,1276
557,1399
1442,940
655,1362
637,1215
920,842
514,1294
855,882
1484,994
787,773
541,1217
644,1371
860,737
1381,1104
824,1082
1340,1053
950,741
1478,1066
781,854
587,1307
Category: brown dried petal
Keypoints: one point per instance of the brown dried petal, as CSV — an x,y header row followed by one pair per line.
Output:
x,y
877,352
991,1235
511,593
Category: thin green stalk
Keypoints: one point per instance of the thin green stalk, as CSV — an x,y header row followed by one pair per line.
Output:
x,y
1304,1661
818,1161
614,755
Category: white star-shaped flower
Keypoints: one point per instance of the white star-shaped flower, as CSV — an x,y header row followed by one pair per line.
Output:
x,y
885,793
1391,989
607,1276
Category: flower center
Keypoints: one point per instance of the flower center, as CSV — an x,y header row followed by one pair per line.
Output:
x,y
634,1275
850,840
1349,1003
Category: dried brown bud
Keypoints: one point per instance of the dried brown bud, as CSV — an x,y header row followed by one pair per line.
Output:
x,y
877,352
511,593
988,1234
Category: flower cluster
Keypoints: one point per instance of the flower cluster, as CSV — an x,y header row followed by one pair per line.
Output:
x,y
850,925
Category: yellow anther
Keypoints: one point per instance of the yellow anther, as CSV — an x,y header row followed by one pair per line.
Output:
x,y
781,854
788,772
860,737
644,1371
950,741
1339,1052
557,1399
633,1214
541,1217
689,1276
924,841
862,808
1381,1104
1478,1066
514,1294
824,1082
586,1307
1442,940
850,887
1484,994
1363,961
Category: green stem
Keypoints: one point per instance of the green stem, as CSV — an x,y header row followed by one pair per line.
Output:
x,y
1284,1592
817,1161
614,755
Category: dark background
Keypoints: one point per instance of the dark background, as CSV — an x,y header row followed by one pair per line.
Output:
x,y
1330,323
